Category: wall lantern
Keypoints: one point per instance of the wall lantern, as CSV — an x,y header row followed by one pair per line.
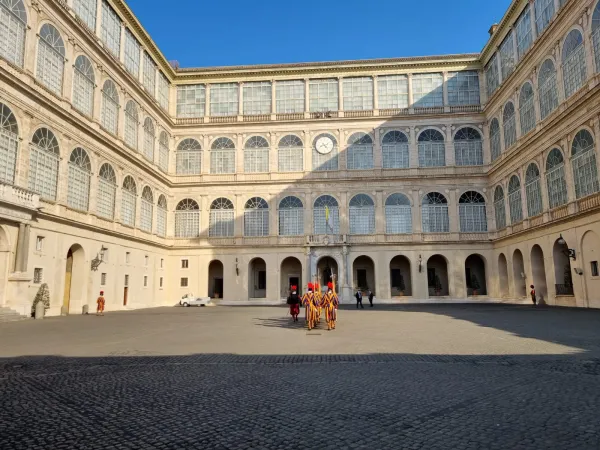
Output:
x,y
99,259
420,263
570,252
237,269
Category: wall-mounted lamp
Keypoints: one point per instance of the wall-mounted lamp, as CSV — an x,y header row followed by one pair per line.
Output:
x,y
578,271
570,252
237,269
99,259
420,263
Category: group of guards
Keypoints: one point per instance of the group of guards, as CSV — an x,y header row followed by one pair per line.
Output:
x,y
315,303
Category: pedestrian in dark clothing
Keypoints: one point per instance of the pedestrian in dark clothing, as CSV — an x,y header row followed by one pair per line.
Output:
x,y
533,297
371,298
359,299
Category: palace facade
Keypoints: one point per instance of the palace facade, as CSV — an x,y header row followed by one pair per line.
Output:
x,y
422,179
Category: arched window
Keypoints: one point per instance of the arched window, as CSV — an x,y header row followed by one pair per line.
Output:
x,y
256,155
495,142
499,208
326,215
221,218
51,59
398,214
107,190
555,179
432,150
574,68
187,219
9,144
291,154
222,156
362,215
360,152
434,213
468,147
78,187
44,157
86,10
596,35
291,217
256,217
533,190
84,84
325,153
547,88
161,216
583,160
472,213
110,106
132,122
147,209
514,200
189,157
128,201
163,151
510,125
394,147
13,23
526,108
149,139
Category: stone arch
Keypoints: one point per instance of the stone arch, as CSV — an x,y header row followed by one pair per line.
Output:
x,y
364,275
291,274
476,275
326,266
215,279
538,270
400,276
502,275
257,278
563,274
520,289
75,294
438,282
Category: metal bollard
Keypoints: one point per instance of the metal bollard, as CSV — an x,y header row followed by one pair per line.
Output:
x,y
40,310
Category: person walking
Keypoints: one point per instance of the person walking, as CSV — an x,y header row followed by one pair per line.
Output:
x,y
371,298
101,301
533,297
294,301
359,299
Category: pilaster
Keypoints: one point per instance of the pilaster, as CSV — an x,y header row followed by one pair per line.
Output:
x,y
411,100
379,213
238,226
377,151
206,104
375,94
121,43
413,150
449,146
273,215
482,88
416,211
239,153
487,152
452,195
445,92
341,96
204,216
99,19
344,224
533,25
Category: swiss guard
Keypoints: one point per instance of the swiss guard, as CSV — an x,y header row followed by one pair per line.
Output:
x,y
308,300
331,303
318,301
294,301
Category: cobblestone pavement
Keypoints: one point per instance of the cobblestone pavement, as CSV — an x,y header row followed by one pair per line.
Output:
x,y
297,390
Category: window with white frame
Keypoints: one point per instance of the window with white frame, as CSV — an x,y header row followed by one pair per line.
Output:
x,y
394,147
492,76
596,35
191,100
323,95
434,212
358,93
39,243
514,200
555,179
38,275
523,30
499,208
432,149
325,154
160,282
128,201
222,156
291,154
51,59
132,54
163,91
185,263
392,91
147,209
84,84
507,56
495,139
9,144
398,214
149,74
583,161
359,155
256,217
44,157
526,108
163,151
183,282
256,155
290,96
145,280
463,88
547,89
428,90
468,147
544,11
103,279
574,67
291,217
149,139
362,214
161,218
189,157
187,219
472,213
132,121
110,106
222,218
510,125
326,215
111,29
533,190
127,261
224,99
257,97
107,190
13,24
78,186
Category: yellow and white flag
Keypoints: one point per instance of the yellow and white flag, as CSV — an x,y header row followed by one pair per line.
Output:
x,y
328,223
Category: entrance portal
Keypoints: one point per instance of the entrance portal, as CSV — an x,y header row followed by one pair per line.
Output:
x,y
74,278
503,275
326,267
562,269
400,279
215,279
538,269
519,274
363,271
291,275
437,276
475,275
257,278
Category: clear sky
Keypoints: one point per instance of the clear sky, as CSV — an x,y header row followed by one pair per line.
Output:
x,y
235,32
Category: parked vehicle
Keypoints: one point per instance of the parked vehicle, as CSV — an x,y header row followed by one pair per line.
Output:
x,y
191,300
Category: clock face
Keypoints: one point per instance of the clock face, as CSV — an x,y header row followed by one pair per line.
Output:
x,y
324,145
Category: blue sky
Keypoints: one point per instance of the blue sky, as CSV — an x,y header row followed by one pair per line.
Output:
x,y
222,33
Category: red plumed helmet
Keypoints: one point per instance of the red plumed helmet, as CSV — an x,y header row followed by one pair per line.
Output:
x,y
317,285
330,285
294,287
310,286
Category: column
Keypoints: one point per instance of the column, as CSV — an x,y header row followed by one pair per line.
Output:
x,y
273,161
344,224
97,107
449,147
517,103
122,43
453,210
377,152
515,45
140,148
521,174
308,165
20,244
99,19
499,68
25,250
445,89
482,88
207,104
588,43
416,212
487,153
30,56
205,154
536,98
501,123
375,96
239,216
273,215
67,87
556,5
413,150
141,74
306,98
308,213
24,154
341,95
411,109
273,98
240,99
532,15
559,75
239,153
379,213
156,82
121,115
543,186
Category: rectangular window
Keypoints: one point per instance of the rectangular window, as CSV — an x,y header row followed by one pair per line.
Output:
x,y
146,260
595,269
185,264
160,282
191,100
132,54
127,257
86,11
523,29
507,56
428,90
38,274
162,263
145,280
126,280
104,255
290,96
39,243
111,29
103,279
544,12
323,95
492,77
184,282
463,88
163,91
257,98
224,98
393,91
358,94
149,74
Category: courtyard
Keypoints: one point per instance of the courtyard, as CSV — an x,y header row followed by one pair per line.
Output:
x,y
415,376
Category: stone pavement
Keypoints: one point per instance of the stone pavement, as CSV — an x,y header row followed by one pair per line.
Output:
x,y
422,377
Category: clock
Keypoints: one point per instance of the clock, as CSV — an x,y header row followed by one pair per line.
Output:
x,y
324,145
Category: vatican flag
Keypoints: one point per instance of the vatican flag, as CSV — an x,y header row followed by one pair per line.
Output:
x,y
328,223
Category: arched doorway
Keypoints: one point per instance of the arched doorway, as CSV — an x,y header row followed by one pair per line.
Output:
x,y
562,268
4,259
475,275
74,279
257,278
437,276
538,269
400,279
215,279
590,245
519,274
503,275
363,274
291,275
326,267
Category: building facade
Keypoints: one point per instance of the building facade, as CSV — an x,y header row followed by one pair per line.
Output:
x,y
421,179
